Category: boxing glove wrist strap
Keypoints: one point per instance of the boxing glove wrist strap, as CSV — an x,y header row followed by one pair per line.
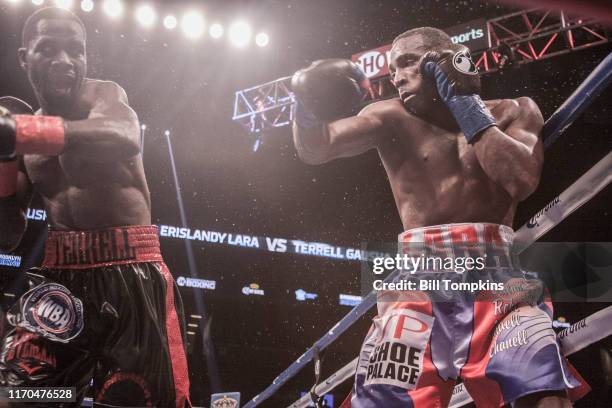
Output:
x,y
43,135
8,178
471,115
304,118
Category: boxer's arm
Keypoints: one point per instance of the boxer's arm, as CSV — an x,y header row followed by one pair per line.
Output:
x,y
13,209
111,132
513,158
342,138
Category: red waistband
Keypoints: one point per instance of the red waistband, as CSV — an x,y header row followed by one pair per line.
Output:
x,y
110,246
465,239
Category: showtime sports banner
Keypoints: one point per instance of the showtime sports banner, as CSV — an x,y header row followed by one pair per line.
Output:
x,y
473,34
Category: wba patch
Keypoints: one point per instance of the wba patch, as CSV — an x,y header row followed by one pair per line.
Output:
x,y
394,351
51,311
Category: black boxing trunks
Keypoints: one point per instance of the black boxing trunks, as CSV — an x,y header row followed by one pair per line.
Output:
x,y
103,306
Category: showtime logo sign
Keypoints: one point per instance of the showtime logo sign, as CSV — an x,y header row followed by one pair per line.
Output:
x,y
374,63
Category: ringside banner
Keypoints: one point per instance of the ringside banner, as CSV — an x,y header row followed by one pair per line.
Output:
x,y
473,34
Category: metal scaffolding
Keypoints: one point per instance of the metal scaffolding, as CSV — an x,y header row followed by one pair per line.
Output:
x,y
517,38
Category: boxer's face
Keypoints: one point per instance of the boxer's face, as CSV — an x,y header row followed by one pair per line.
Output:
x,y
55,61
414,92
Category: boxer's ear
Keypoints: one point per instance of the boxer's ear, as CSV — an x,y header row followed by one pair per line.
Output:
x,y
22,54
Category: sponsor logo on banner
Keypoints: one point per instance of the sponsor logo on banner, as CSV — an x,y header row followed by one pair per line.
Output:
x,y
472,34
301,295
393,353
10,260
51,311
375,62
253,289
534,221
225,400
196,283
582,324
36,214
349,300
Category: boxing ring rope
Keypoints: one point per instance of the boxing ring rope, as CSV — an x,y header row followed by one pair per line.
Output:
x,y
574,197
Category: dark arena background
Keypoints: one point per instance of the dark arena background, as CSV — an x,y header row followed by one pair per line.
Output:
x,y
251,311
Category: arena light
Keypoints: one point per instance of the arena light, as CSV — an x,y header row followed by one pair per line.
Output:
x,y
87,5
145,15
65,4
216,30
262,39
192,24
240,33
38,2
170,22
113,8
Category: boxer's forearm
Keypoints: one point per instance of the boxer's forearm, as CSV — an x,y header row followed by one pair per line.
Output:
x,y
312,145
102,139
508,162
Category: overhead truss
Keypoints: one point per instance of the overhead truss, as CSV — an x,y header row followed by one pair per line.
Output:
x,y
517,38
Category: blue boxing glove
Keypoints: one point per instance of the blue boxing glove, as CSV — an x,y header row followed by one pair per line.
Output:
x,y
458,84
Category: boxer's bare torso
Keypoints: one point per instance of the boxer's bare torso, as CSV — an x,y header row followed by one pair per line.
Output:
x,y
83,189
435,175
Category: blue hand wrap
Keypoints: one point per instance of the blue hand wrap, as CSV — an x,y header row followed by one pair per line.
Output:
x,y
469,111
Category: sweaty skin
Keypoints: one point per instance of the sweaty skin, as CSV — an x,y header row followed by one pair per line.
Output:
x,y
98,180
435,176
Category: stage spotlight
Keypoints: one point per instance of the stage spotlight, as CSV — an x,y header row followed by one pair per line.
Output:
x,y
167,133
192,24
170,22
38,2
146,15
216,30
240,34
143,127
65,4
113,8
87,5
262,39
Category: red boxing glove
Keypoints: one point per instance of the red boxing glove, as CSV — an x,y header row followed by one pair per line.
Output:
x,y
43,135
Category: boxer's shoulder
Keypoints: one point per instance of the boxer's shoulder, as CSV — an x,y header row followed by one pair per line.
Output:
x,y
102,88
520,108
523,104
385,110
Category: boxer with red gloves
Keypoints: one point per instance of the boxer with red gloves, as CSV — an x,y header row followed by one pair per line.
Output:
x,y
104,305
458,166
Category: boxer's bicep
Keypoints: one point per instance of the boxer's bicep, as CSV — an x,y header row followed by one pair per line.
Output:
x,y
111,129
353,136
526,129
